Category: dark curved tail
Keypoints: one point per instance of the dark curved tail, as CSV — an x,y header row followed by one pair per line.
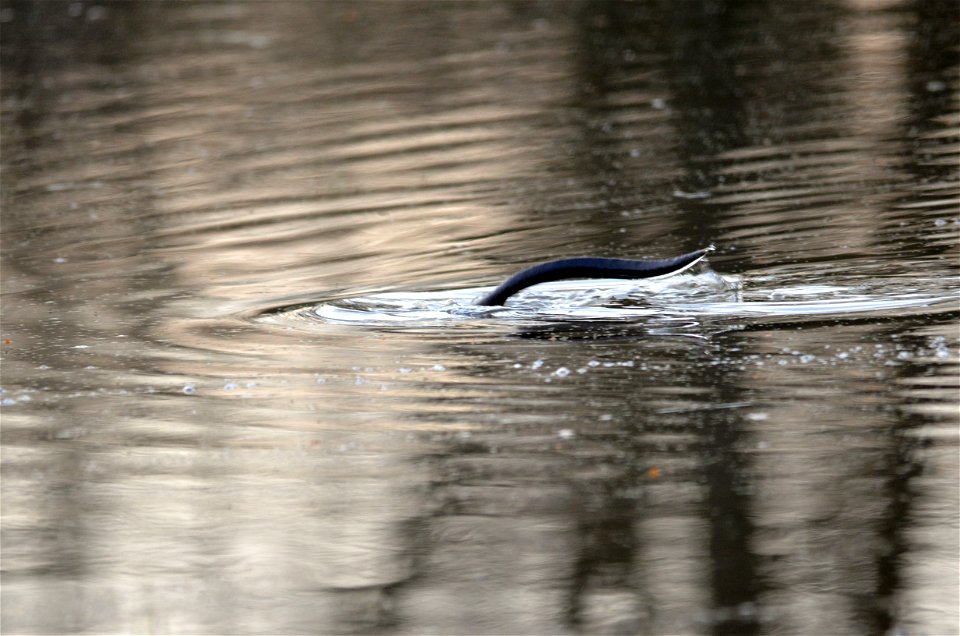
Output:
x,y
589,267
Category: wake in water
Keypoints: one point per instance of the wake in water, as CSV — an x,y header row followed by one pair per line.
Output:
x,y
702,295
698,293
590,299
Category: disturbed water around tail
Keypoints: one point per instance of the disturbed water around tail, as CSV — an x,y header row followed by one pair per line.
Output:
x,y
246,389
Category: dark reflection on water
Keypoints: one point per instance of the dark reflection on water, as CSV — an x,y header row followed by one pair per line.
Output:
x,y
180,456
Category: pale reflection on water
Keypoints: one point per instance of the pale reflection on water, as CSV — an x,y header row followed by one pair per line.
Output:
x,y
209,425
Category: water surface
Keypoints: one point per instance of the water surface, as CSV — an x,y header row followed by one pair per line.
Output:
x,y
245,389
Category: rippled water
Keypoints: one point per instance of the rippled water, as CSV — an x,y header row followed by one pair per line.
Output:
x,y
245,388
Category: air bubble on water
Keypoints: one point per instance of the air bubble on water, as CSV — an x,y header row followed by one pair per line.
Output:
x,y
759,416
807,358
536,364
8,402
904,355
230,386
593,363
566,433
189,389
562,372
843,355
582,370
438,367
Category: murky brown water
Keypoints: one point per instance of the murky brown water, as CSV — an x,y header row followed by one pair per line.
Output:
x,y
245,391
